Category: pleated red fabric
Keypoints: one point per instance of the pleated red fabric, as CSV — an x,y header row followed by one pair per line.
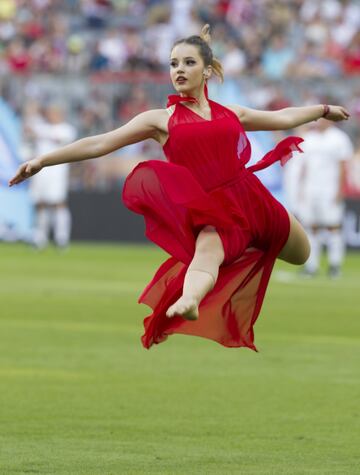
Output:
x,y
205,182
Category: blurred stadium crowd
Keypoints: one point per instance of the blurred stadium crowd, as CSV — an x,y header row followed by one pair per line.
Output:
x,y
269,38
107,60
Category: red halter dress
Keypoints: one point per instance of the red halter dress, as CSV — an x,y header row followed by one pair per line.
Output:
x,y
205,182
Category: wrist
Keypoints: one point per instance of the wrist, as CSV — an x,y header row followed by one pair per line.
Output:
x,y
41,161
326,110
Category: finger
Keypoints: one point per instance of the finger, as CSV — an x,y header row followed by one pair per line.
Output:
x,y
20,176
15,180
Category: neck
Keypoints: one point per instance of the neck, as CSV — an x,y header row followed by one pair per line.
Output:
x,y
198,94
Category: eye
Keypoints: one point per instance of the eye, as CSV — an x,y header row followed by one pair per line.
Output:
x,y
173,64
190,61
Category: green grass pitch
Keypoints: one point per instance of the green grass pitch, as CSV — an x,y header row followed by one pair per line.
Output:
x,y
79,394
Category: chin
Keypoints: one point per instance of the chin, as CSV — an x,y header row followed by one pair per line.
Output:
x,y
182,89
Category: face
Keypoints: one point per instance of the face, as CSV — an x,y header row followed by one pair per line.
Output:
x,y
54,114
187,68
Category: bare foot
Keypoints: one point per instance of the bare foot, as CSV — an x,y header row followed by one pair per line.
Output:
x,y
185,307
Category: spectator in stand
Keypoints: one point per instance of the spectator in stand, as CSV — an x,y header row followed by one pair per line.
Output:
x,y
17,57
159,32
58,36
135,102
277,57
7,10
112,47
343,30
97,12
99,61
352,56
77,58
184,17
234,59
316,30
314,61
328,10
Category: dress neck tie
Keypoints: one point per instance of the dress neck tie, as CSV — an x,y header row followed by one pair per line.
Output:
x,y
176,99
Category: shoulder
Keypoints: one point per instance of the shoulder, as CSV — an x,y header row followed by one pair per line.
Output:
x,y
238,110
253,119
156,121
155,117
153,114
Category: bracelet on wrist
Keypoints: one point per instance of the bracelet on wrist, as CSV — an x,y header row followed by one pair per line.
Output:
x,y
326,111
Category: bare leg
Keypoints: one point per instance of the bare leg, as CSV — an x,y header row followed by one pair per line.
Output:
x,y
335,250
42,226
312,264
297,248
201,275
62,225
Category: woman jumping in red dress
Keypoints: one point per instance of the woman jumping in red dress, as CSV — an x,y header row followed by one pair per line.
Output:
x,y
220,225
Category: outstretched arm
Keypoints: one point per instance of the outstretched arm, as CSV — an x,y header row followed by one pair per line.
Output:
x,y
288,118
141,127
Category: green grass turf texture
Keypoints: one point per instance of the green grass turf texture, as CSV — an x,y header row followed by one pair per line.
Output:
x,y
79,394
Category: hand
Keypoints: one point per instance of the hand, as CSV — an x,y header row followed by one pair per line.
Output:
x,y
26,170
337,113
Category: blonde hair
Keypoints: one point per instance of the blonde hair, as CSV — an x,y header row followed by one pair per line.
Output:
x,y
202,41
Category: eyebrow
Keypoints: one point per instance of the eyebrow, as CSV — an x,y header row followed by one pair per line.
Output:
x,y
187,57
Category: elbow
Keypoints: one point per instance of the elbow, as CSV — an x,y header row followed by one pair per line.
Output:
x,y
99,149
287,122
94,146
290,124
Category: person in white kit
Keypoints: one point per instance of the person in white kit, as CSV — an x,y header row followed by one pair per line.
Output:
x,y
326,149
49,191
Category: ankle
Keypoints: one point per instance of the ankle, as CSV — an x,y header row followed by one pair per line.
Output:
x,y
206,272
192,300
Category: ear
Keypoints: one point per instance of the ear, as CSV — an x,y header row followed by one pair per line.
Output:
x,y
208,72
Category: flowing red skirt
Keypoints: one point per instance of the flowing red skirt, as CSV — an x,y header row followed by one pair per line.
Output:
x,y
253,227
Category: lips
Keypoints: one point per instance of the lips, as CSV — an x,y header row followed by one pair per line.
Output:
x,y
181,79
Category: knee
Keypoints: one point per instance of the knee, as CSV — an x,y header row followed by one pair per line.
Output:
x,y
208,253
209,247
297,253
301,259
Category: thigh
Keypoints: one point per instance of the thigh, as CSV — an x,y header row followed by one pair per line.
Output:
x,y
297,247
